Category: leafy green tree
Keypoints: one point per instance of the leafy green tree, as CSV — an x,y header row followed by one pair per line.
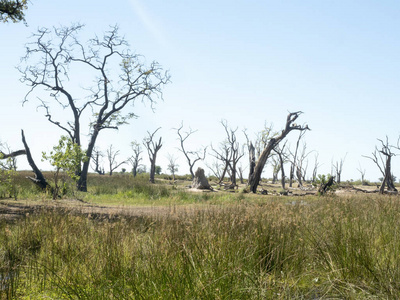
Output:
x,y
66,157
13,10
7,178
158,170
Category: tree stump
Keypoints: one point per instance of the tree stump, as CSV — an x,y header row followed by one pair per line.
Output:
x,y
200,181
325,186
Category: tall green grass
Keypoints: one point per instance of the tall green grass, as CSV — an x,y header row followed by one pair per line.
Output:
x,y
322,248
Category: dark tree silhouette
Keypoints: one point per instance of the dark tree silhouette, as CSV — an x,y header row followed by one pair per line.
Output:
x,y
271,144
152,148
105,98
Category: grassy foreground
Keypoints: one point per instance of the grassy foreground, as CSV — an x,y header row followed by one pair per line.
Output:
x,y
283,248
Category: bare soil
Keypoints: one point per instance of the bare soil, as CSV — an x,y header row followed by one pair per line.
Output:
x,y
11,210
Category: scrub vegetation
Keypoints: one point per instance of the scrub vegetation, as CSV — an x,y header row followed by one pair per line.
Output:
x,y
207,245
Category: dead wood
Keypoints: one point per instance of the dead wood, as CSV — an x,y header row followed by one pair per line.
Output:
x,y
12,154
39,179
325,186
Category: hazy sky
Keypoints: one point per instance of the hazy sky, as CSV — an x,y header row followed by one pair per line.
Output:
x,y
249,62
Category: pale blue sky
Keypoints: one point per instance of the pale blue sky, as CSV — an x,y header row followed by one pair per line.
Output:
x,y
248,62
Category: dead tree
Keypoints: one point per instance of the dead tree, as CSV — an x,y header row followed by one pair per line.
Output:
x,y
240,170
10,157
362,173
282,158
272,143
293,166
112,160
338,168
316,165
152,149
96,157
276,167
384,165
12,154
192,157
216,169
120,79
252,155
135,158
255,149
172,166
301,164
39,179
235,150
324,187
230,153
223,155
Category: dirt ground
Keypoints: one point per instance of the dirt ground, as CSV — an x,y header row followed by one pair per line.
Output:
x,y
11,210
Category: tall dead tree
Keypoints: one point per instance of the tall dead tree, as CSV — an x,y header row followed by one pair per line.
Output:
x,y
384,164
338,168
230,153
118,78
282,159
135,158
272,143
236,152
362,173
252,155
240,170
39,179
152,148
300,162
276,167
172,165
293,166
315,169
192,157
112,160
223,154
96,157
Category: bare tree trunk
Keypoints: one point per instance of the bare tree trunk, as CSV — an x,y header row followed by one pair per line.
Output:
x,y
324,187
299,177
252,159
388,179
256,176
293,165
39,179
282,162
272,143
152,149
82,182
153,168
